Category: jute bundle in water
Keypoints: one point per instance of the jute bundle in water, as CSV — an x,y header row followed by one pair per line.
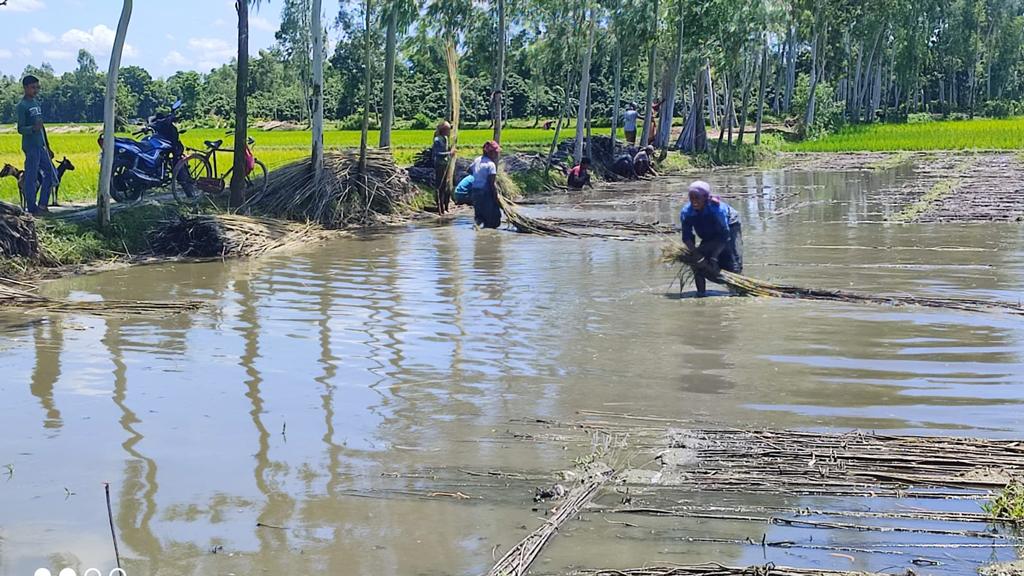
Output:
x,y
25,300
746,286
342,197
222,235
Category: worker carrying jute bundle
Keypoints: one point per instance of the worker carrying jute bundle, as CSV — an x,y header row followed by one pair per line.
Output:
x,y
721,236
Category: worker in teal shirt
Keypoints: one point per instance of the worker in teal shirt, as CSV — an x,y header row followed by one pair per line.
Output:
x,y
718,226
38,167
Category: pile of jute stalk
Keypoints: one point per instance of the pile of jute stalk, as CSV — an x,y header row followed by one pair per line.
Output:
x,y
230,235
746,286
714,569
342,197
23,297
18,235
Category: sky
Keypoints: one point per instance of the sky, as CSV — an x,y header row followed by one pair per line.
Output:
x,y
164,36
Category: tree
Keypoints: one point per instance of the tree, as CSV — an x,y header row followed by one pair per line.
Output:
x,y
399,15
238,172
366,85
653,58
499,72
584,99
294,36
318,93
107,165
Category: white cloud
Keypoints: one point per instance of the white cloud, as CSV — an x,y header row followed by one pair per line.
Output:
x,y
261,23
36,36
207,65
211,49
176,59
169,37
57,54
24,5
6,54
99,40
24,52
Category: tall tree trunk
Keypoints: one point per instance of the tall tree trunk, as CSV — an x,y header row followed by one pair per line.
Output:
x,y
318,93
726,117
390,54
748,80
561,117
109,100
777,96
499,73
616,100
590,111
668,106
693,139
366,86
710,91
581,112
790,69
237,197
649,103
809,115
761,89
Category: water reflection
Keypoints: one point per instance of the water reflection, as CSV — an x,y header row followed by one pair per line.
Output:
x,y
287,423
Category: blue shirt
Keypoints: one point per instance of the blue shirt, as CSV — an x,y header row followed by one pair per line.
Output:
x,y
464,186
711,223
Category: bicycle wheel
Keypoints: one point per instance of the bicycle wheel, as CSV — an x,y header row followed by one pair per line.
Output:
x,y
186,173
257,179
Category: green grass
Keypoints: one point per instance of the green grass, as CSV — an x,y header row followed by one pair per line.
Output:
x,y
978,134
1008,504
275,148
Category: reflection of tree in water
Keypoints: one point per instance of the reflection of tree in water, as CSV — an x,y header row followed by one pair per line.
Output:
x,y
48,337
278,506
136,504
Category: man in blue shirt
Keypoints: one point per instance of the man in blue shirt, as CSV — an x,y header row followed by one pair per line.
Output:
x,y
38,167
718,226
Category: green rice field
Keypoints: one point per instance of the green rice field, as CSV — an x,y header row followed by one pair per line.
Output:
x,y
978,134
275,148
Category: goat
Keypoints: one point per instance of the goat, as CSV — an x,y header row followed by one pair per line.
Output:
x,y
65,165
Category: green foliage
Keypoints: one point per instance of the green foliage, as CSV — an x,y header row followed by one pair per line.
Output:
x,y
421,122
1009,503
828,114
71,243
1002,134
999,108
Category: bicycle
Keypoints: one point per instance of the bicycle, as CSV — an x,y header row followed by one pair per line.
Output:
x,y
194,174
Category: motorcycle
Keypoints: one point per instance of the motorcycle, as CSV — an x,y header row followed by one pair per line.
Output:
x,y
147,163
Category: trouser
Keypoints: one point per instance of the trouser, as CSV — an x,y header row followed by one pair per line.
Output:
x,y
631,136
440,184
730,257
576,182
486,211
38,172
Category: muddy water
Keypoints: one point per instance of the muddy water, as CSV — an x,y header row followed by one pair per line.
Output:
x,y
297,425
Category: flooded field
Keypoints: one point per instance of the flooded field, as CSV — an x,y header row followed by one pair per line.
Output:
x,y
316,417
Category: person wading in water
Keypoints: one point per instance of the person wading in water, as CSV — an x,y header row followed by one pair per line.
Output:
x,y
486,210
440,154
721,237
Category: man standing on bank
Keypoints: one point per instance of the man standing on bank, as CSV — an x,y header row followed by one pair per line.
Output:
x,y
721,237
38,167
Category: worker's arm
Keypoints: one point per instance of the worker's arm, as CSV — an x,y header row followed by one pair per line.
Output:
x,y
492,183
687,223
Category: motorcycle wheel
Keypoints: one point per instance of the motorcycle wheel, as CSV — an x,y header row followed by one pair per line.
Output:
x,y
122,188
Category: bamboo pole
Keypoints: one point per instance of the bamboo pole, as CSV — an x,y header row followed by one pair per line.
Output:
x,y
318,93
109,110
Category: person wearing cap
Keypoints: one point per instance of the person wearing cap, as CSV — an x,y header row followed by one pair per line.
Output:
x,y
718,226
486,210
629,118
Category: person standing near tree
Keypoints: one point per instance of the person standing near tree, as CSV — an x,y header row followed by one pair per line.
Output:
x,y
440,154
629,118
38,167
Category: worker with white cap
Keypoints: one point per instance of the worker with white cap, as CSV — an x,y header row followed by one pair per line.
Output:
x,y
718,226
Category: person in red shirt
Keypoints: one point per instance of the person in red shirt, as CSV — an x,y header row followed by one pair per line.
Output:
x,y
579,176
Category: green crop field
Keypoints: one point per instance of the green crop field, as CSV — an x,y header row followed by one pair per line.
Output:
x,y
275,148
979,134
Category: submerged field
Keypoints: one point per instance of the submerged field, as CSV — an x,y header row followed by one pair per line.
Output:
x,y
274,148
978,134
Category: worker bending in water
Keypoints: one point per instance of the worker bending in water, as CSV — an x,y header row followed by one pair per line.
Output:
x,y
579,175
721,237
643,162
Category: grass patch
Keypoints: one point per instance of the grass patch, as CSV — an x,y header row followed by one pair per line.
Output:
x,y
890,162
81,242
275,148
1009,503
980,134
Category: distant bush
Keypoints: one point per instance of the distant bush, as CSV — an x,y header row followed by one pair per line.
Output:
x,y
421,122
919,118
999,108
354,121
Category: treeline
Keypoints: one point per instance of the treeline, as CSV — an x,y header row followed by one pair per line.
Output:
x,y
817,64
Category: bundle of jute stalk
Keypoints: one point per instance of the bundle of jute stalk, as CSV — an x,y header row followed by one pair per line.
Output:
x,y
344,196
18,233
23,297
744,285
222,235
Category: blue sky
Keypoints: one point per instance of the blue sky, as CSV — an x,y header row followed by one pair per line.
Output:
x,y
164,35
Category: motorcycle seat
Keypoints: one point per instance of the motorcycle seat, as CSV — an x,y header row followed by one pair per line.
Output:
x,y
214,144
